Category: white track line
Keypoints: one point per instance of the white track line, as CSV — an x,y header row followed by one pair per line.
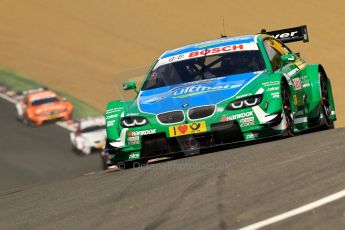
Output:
x,y
7,98
297,211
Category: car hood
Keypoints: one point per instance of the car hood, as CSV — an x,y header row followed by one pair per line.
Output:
x,y
192,94
45,108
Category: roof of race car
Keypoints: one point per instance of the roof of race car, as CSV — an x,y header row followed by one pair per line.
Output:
x,y
41,95
92,121
210,44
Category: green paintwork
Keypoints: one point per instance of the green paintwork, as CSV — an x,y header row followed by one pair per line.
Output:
x,y
130,85
305,104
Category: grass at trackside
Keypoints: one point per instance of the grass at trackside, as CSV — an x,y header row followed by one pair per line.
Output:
x,y
18,82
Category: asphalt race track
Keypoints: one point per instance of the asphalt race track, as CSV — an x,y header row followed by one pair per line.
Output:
x,y
228,189
36,155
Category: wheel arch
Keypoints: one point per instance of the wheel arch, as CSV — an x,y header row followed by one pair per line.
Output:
x,y
330,92
288,84
314,73
113,114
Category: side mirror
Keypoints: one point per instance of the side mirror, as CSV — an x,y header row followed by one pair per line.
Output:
x,y
130,85
287,58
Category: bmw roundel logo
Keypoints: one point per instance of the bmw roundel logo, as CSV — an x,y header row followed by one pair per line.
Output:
x,y
185,105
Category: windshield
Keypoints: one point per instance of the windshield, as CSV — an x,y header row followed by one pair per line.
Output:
x,y
93,128
44,101
212,66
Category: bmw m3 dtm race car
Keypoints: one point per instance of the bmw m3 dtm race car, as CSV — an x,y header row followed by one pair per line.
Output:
x,y
89,135
228,90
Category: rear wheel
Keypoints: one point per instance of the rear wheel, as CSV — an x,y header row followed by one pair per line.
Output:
x,y
287,110
26,121
325,103
105,159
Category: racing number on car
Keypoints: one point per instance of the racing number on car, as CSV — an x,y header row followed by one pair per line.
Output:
x,y
185,129
177,58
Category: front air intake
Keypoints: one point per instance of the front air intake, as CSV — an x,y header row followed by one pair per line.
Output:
x,y
171,117
201,112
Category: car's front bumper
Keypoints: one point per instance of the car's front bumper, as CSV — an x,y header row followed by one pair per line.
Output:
x,y
219,134
39,120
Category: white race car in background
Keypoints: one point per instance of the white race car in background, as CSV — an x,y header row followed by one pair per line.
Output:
x,y
89,135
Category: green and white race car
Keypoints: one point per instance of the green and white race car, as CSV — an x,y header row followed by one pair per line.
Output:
x,y
229,90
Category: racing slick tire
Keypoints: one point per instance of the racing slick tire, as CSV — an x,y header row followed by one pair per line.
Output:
x,y
26,121
325,103
76,150
287,110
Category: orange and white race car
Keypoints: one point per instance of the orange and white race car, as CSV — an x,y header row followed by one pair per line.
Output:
x,y
42,105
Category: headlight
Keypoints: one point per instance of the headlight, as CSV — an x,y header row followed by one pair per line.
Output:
x,y
245,102
133,121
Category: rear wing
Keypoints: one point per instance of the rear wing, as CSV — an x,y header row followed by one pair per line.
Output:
x,y
294,34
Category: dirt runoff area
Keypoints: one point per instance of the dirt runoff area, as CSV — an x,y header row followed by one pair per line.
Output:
x,y
87,48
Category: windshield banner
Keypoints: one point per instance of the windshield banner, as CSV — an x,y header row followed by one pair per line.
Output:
x,y
207,52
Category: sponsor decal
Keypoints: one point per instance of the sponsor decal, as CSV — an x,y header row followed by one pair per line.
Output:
x,y
216,50
247,121
273,89
218,90
185,129
134,156
243,95
292,72
153,100
110,123
200,82
141,132
238,116
271,83
135,138
286,35
192,90
112,116
132,114
297,83
305,80
251,135
113,110
133,143
275,95
211,51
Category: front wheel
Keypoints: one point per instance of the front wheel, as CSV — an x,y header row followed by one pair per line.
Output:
x,y
287,110
26,121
